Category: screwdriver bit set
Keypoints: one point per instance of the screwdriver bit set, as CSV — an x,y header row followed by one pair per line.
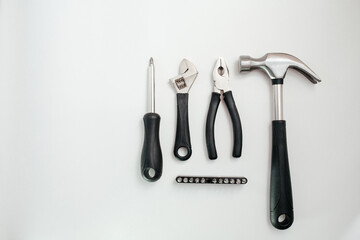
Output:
x,y
275,65
211,180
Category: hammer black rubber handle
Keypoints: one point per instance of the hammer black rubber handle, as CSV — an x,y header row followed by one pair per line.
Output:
x,y
281,203
182,139
151,156
210,122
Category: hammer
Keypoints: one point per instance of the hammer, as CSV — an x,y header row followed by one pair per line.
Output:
x,y
275,65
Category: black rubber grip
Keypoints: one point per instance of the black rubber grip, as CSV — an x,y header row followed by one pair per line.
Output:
x,y
281,203
210,122
151,156
277,81
235,118
182,139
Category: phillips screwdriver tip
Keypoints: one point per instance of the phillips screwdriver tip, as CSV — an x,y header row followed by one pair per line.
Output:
x,y
151,61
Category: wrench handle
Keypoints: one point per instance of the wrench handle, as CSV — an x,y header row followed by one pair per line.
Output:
x,y
281,203
182,139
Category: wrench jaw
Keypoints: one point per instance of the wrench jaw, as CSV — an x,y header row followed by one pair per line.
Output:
x,y
186,78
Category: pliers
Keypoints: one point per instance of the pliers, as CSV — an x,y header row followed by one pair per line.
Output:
x,y
221,87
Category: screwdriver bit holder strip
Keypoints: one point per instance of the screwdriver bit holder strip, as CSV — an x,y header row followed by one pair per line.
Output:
x,y
211,180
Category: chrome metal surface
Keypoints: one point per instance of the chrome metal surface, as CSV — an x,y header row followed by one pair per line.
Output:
x,y
275,65
186,77
221,76
278,102
151,76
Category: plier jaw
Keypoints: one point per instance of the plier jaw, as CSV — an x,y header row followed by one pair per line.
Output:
x,y
221,76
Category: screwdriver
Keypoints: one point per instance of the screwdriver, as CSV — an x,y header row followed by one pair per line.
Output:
x,y
151,156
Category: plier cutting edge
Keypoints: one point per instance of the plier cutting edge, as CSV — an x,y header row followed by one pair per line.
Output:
x,y
221,87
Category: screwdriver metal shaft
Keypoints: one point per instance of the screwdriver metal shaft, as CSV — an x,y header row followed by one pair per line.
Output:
x,y
151,156
151,76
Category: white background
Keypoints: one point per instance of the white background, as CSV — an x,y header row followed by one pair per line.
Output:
x,y
73,91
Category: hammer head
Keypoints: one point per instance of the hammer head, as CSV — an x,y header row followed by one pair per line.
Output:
x,y
275,65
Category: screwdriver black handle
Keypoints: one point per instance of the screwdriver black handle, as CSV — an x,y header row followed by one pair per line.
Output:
x,y
151,156
281,203
182,139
